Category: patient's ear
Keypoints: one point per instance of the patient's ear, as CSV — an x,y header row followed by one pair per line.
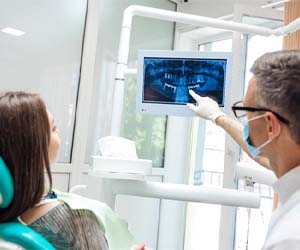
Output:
x,y
273,125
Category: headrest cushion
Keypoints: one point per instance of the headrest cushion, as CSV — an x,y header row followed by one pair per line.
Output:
x,y
6,185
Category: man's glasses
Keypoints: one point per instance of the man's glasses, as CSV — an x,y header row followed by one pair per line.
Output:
x,y
240,111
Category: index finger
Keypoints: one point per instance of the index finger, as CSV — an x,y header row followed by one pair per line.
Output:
x,y
194,95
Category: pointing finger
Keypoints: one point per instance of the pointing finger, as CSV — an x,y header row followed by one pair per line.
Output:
x,y
193,94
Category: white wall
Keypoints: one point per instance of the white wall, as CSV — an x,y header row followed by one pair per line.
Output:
x,y
46,59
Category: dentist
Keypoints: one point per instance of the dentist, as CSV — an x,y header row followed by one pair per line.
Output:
x,y
269,131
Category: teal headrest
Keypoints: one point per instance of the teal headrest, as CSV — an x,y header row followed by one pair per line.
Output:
x,y
6,185
23,236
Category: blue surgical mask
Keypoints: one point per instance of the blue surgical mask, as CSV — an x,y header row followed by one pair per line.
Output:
x,y
254,151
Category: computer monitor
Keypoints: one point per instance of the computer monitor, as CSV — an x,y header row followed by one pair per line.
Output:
x,y
165,77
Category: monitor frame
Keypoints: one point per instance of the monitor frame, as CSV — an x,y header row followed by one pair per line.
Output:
x,y
177,109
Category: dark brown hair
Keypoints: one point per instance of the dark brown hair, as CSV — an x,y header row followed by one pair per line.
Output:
x,y
24,145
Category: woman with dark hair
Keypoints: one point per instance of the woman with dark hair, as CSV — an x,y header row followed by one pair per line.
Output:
x,y
25,142
29,143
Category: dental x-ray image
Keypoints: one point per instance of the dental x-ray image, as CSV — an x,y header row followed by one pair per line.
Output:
x,y
168,80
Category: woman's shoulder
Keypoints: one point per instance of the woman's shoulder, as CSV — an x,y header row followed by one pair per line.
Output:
x,y
68,228
39,210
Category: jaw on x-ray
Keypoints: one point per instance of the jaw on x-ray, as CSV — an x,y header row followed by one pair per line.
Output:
x,y
168,80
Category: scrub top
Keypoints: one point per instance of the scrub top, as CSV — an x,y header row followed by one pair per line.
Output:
x,y
284,227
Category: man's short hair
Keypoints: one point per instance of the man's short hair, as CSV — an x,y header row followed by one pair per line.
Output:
x,y
277,76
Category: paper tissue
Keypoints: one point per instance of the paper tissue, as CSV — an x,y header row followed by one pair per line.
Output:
x,y
117,147
118,155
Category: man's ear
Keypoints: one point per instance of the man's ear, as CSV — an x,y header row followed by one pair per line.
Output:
x,y
273,125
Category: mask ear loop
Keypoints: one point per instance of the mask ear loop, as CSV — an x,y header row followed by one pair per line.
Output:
x,y
266,142
245,122
244,119
255,117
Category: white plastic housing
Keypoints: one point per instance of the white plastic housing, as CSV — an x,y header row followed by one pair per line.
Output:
x,y
116,165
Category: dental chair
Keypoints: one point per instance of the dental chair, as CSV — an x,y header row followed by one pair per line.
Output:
x,y
15,232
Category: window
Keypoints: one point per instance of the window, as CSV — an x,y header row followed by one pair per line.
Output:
x,y
257,46
252,224
203,220
147,131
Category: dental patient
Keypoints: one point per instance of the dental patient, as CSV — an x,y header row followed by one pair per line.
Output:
x,y
29,143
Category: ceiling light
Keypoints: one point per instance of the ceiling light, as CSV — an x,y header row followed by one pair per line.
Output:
x,y
274,4
13,32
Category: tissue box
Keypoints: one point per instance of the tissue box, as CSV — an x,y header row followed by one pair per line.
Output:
x,y
117,147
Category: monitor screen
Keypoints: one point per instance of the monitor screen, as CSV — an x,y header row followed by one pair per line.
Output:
x,y
165,78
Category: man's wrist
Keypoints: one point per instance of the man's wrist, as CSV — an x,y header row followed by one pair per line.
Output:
x,y
219,118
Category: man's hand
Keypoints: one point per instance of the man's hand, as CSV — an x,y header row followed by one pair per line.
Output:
x,y
205,107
